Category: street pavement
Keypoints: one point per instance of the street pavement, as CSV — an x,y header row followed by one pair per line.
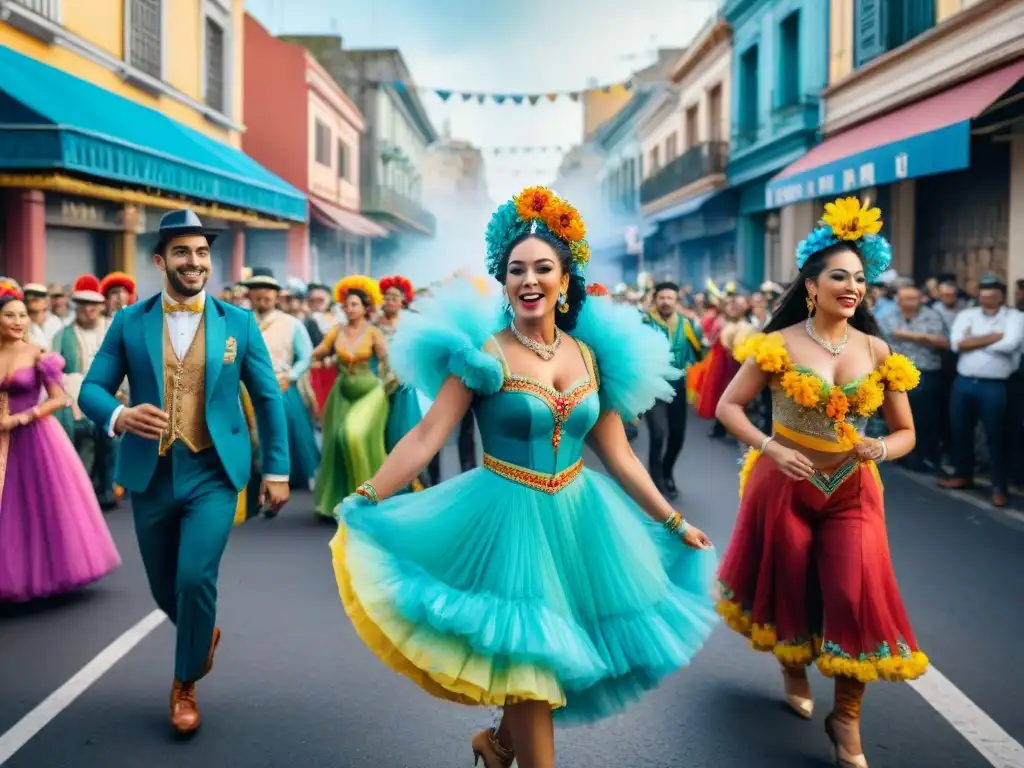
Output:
x,y
294,688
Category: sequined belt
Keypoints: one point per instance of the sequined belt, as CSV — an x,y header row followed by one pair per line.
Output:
x,y
829,482
531,479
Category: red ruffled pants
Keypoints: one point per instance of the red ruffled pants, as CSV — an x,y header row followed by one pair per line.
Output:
x,y
809,576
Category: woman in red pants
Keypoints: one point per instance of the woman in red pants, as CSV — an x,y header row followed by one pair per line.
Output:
x,y
807,575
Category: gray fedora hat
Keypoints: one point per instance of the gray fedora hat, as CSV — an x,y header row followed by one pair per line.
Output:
x,y
262,277
183,223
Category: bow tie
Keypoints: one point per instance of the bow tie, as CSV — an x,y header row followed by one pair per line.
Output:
x,y
195,307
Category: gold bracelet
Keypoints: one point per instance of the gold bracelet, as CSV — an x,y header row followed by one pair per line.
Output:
x,y
368,492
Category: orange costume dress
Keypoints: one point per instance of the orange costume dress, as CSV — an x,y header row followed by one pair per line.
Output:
x,y
808,575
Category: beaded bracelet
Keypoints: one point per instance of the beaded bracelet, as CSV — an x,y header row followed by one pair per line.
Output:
x,y
885,449
368,492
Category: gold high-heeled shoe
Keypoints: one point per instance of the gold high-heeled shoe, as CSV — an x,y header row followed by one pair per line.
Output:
x,y
803,706
843,758
487,747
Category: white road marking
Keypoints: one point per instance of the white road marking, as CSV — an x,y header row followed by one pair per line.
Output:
x,y
983,733
32,723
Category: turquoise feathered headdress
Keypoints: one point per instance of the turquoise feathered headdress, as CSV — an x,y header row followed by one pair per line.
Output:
x,y
847,220
535,210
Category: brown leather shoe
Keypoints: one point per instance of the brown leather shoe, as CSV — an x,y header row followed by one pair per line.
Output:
x,y
184,712
213,650
999,499
956,484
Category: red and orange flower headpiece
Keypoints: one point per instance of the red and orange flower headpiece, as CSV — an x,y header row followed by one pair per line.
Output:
x,y
401,283
367,285
596,289
119,280
10,290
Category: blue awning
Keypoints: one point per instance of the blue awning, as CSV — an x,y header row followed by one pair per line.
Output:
x,y
684,208
53,121
928,137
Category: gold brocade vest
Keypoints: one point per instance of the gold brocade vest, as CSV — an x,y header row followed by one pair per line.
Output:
x,y
185,394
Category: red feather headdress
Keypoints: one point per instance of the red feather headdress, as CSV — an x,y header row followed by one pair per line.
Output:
x,y
596,289
401,283
10,290
118,280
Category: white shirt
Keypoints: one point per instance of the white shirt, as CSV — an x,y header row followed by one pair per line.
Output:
x,y
43,335
182,328
996,361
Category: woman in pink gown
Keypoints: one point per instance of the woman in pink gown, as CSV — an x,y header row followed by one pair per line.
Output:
x,y
53,538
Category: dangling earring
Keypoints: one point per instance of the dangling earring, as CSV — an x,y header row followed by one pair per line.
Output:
x,y
811,306
508,306
563,302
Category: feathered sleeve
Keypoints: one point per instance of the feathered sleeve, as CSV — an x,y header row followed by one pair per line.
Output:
x,y
51,368
445,337
634,360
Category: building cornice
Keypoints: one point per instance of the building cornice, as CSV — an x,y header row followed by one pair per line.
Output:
x,y
980,38
698,52
321,83
12,13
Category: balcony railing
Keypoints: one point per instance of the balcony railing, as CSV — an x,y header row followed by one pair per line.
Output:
x,y
381,200
48,9
695,163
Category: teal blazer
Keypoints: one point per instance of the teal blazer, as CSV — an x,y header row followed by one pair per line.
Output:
x,y
134,347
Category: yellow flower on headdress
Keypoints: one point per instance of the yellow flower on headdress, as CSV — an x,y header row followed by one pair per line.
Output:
x,y
564,221
533,202
367,285
850,220
899,373
803,389
580,251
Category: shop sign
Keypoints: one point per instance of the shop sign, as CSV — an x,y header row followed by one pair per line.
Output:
x,y
83,213
940,151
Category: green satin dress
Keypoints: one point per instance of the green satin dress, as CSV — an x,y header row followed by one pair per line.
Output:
x,y
354,421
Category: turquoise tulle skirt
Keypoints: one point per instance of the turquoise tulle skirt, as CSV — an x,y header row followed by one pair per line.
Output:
x,y
487,592
406,412
302,445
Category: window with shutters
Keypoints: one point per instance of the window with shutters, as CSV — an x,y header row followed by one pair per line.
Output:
x,y
715,113
881,25
692,126
322,148
748,97
671,147
215,65
145,36
788,88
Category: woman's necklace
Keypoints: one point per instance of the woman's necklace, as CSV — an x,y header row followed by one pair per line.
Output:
x,y
543,351
835,348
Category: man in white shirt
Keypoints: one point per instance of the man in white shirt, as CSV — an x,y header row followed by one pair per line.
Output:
x,y
988,339
44,324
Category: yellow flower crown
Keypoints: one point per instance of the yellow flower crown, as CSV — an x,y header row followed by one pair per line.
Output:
x,y
367,285
849,220
536,207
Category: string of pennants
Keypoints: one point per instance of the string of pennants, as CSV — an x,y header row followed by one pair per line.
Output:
x,y
541,150
517,99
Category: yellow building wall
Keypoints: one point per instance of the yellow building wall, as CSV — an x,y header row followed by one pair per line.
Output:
x,y
946,8
840,47
599,106
101,22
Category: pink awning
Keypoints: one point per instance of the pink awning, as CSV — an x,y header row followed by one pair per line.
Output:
x,y
335,217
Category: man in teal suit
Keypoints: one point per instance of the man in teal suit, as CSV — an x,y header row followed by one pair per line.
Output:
x,y
186,451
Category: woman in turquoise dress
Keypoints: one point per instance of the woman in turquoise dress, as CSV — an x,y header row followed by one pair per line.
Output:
x,y
531,583
356,411
405,405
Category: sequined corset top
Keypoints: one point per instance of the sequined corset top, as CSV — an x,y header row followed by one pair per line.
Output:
x,y
791,418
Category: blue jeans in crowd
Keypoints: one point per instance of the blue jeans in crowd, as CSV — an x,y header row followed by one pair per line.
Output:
x,y
928,405
985,399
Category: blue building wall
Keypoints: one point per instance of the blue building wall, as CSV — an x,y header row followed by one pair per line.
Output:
x,y
780,130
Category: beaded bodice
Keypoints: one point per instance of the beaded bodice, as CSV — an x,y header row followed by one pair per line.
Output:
x,y
812,422
531,425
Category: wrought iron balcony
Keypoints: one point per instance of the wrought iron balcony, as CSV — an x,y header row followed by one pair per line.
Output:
x,y
694,164
382,201
48,9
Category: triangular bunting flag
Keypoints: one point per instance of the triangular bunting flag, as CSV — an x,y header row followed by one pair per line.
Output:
x,y
552,97
575,95
467,96
481,98
499,99
443,95
517,99
533,100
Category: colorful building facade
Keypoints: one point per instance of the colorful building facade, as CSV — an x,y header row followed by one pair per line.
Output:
x,y
780,65
684,136
919,115
302,126
114,112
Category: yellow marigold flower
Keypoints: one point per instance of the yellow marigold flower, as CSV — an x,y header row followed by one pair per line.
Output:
x,y
801,388
899,373
771,355
846,435
564,221
869,396
850,220
837,405
749,460
747,348
532,202
580,250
